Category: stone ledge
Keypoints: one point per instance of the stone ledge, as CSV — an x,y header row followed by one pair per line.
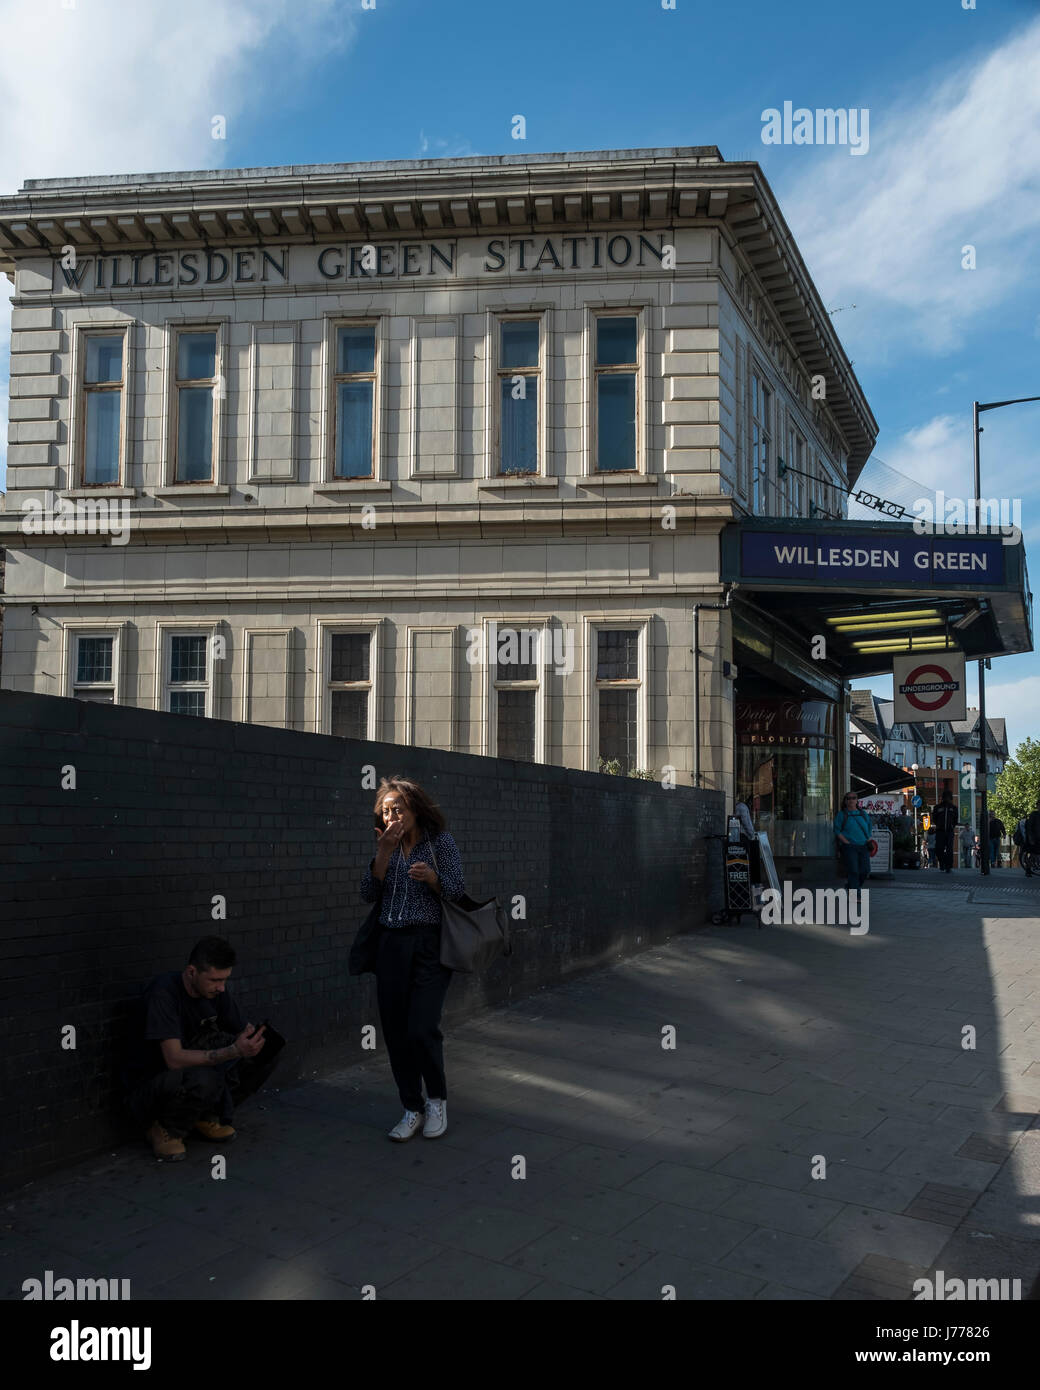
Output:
x,y
527,480
100,491
620,480
354,485
183,490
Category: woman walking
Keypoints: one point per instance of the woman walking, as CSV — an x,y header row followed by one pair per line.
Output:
x,y
416,864
852,828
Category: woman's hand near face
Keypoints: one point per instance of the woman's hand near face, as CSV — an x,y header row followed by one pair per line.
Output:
x,y
389,840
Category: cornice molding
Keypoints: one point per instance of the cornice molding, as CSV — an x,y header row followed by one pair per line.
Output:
x,y
536,520
417,199
141,213
189,595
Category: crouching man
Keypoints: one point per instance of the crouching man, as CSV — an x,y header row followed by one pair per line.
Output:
x,y
198,1057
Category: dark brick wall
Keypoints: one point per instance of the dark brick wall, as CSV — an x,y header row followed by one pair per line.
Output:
x,y
110,883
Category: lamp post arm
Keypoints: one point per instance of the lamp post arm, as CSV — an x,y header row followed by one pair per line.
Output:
x,y
995,405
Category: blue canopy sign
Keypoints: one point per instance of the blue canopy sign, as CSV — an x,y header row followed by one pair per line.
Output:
x,y
892,561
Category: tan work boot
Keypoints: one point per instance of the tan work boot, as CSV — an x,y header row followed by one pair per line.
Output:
x,y
164,1145
211,1128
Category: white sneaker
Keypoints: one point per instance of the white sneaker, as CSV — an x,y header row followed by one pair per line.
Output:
x,y
436,1119
406,1127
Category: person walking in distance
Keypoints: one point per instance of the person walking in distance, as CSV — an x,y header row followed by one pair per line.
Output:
x,y
996,834
1031,830
416,864
852,828
944,818
967,845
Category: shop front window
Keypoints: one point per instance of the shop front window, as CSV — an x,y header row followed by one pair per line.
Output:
x,y
785,769
789,793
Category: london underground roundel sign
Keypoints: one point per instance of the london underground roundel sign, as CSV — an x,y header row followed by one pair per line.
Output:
x,y
929,688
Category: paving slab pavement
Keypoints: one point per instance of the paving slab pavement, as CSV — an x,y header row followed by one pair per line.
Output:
x,y
820,1130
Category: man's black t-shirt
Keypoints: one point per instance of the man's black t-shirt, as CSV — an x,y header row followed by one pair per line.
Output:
x,y
169,1011
944,818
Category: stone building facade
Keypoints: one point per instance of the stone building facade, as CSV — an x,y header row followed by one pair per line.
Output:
x,y
429,452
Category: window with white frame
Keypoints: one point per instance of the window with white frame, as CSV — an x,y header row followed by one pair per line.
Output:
x,y
103,393
94,657
618,685
782,489
761,443
826,502
348,683
519,394
796,463
742,444
188,673
354,400
517,670
197,404
615,398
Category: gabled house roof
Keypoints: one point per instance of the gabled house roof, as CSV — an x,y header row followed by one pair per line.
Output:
x,y
864,715
873,716
964,730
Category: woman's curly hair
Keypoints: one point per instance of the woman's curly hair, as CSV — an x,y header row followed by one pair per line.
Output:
x,y
427,816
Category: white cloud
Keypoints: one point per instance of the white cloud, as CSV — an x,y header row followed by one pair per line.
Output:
x,y
937,455
109,87
437,147
955,165
1016,702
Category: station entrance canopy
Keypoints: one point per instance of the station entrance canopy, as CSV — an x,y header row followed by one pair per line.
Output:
x,y
876,590
875,774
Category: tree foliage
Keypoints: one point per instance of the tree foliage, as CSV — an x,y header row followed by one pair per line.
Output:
x,y
1018,786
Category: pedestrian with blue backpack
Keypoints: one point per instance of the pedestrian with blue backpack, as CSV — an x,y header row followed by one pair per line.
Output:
x,y
853,832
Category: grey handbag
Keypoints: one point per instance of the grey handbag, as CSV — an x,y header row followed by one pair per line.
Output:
x,y
473,934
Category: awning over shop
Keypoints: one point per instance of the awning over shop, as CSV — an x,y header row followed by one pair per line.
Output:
x,y
874,590
875,773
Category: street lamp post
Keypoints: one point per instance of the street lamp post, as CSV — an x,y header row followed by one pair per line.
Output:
x,y
977,409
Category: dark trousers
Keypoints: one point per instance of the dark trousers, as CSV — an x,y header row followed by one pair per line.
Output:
x,y
410,987
857,865
944,851
176,1099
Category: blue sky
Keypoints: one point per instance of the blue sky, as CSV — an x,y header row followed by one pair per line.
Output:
x,y
954,156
